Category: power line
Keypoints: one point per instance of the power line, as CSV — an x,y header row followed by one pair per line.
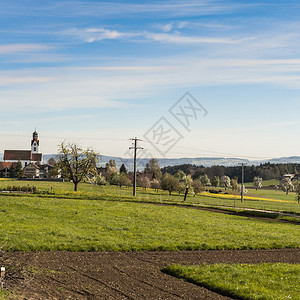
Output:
x,y
243,176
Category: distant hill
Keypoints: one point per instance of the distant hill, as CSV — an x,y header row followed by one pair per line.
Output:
x,y
198,161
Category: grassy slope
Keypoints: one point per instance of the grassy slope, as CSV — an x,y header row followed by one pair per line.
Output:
x,y
35,223
263,281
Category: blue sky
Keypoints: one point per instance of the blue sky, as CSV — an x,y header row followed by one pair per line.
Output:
x,y
101,72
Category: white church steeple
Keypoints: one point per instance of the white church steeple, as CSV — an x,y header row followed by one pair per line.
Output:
x,y
35,142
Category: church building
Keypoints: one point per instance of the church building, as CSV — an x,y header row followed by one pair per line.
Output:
x,y
25,156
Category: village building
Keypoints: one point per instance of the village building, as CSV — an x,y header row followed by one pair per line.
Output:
x,y
31,171
26,157
4,168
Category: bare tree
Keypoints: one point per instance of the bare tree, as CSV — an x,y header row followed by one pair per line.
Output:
x,y
76,163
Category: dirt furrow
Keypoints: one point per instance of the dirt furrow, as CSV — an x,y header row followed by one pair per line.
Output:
x,y
121,275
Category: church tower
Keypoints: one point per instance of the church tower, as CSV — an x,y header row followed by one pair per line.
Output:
x,y
35,142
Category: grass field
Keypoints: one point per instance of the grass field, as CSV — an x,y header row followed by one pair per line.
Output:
x,y
49,223
262,281
261,199
264,183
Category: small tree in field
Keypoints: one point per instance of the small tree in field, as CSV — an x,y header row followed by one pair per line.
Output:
x,y
169,183
180,175
286,185
155,184
205,180
297,190
144,182
112,172
234,185
123,180
225,182
245,191
215,181
75,163
188,183
257,182
197,187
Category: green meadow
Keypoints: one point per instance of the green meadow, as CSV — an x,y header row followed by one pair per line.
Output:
x,y
242,281
262,199
108,218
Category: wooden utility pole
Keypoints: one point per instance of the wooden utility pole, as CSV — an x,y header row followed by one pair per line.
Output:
x,y
243,175
135,147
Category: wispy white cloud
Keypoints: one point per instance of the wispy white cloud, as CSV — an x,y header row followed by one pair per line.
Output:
x,y
14,79
181,39
98,34
23,48
167,27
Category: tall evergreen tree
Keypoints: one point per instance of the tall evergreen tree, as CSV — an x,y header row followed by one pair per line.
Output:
x,y
123,169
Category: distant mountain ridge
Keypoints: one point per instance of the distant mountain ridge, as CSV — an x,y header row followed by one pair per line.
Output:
x,y
198,161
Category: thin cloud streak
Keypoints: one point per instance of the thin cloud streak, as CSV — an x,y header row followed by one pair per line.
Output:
x,y
91,35
163,9
23,48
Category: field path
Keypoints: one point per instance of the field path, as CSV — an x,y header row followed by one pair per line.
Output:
x,y
121,275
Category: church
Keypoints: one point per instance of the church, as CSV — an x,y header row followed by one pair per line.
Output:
x,y
26,157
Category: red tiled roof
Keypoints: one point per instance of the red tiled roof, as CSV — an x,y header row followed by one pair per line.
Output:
x,y
21,155
17,155
36,157
4,165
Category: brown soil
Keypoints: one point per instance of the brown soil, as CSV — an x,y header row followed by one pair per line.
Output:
x,y
119,275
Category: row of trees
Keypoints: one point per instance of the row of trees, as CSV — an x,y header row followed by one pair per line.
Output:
x,y
265,171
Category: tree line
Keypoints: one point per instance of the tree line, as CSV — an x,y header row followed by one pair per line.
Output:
x,y
266,171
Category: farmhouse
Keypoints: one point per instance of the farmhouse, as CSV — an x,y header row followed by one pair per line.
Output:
x,y
32,171
4,168
293,177
25,156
